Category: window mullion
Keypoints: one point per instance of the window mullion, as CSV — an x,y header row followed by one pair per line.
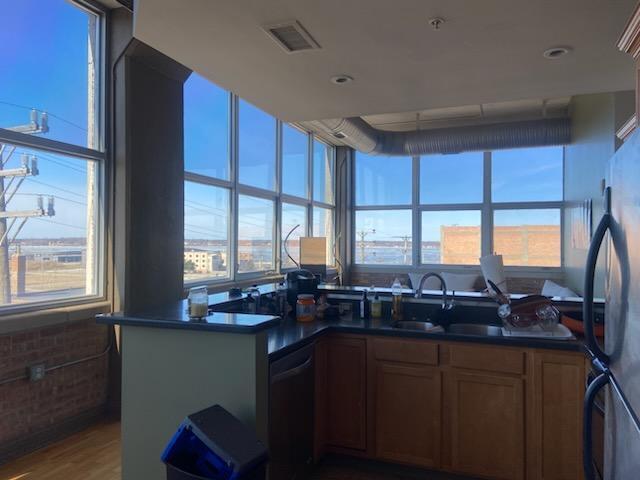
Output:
x,y
486,229
416,223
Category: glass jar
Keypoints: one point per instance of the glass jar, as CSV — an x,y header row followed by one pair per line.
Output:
x,y
306,307
198,302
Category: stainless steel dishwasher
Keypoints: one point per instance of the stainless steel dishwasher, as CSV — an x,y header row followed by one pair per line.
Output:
x,y
291,415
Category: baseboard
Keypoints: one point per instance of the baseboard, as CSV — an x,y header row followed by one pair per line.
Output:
x,y
51,434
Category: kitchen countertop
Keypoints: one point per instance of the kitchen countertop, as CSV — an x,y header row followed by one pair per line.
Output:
x,y
174,315
290,335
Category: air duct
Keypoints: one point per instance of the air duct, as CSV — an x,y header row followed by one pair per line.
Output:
x,y
363,137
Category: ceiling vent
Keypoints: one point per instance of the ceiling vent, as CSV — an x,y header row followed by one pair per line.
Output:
x,y
291,36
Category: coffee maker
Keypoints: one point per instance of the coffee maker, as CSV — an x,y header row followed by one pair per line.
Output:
x,y
300,281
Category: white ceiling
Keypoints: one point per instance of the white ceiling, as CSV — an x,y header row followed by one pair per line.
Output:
x,y
487,52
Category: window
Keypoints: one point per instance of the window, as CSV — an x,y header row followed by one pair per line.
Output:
x,y
295,161
292,216
51,193
382,180
255,234
451,237
462,206
528,237
257,147
206,126
383,237
527,174
206,232
240,203
439,172
53,52
323,172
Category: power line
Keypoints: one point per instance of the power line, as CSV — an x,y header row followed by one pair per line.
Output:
x,y
59,223
44,111
55,196
57,188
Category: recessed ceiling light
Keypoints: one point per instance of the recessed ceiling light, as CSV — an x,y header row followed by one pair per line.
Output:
x,y
555,52
341,79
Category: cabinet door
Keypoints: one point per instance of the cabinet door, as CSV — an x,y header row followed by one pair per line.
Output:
x,y
346,392
408,413
487,425
558,392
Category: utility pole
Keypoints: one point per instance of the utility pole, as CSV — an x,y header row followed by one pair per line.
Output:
x,y
405,248
28,168
362,234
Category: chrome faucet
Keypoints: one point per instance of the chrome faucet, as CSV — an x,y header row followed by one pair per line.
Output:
x,y
445,304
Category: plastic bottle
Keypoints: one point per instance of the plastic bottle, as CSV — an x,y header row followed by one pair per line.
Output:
x,y
281,300
396,306
364,305
376,306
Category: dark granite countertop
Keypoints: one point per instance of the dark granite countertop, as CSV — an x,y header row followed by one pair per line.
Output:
x,y
290,335
174,315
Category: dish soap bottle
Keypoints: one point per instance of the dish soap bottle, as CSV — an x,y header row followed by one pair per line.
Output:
x,y
396,305
376,306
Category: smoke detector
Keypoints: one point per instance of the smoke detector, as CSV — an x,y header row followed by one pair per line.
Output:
x,y
436,23
291,36
341,79
555,52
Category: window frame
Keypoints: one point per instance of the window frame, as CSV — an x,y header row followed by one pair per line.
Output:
x,y
98,155
276,195
487,208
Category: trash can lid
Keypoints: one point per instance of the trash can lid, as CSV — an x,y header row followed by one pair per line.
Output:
x,y
227,437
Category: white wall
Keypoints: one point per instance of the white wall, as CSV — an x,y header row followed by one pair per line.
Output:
x,y
595,119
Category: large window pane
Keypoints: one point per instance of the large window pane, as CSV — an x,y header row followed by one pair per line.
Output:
x,y
255,234
451,237
49,84
206,232
323,226
293,215
295,161
48,226
382,180
323,172
257,147
383,237
451,178
528,237
206,128
527,174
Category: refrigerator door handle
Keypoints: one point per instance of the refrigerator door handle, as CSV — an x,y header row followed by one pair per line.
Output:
x,y
589,274
587,433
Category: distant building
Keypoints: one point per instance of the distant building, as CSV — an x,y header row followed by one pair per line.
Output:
x,y
534,245
204,261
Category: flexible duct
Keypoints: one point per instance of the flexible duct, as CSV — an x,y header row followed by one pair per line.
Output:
x,y
363,137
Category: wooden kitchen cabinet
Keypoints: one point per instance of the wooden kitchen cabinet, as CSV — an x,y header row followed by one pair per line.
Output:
x,y
487,424
556,423
346,367
408,413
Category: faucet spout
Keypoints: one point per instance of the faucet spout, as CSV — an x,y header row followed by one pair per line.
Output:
x,y
442,284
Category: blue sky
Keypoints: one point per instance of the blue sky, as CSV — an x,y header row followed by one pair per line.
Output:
x,y
43,65
43,52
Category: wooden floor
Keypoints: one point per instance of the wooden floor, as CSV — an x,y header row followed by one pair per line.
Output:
x,y
94,454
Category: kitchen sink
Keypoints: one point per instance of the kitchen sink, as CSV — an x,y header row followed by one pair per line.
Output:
x,y
474,329
415,325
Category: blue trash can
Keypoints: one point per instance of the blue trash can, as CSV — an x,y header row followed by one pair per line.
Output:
x,y
212,444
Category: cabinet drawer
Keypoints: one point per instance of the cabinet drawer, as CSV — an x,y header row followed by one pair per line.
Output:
x,y
406,351
493,358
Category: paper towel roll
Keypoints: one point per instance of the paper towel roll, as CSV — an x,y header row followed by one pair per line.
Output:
x,y
493,269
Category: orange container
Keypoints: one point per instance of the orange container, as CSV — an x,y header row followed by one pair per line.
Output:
x,y
306,307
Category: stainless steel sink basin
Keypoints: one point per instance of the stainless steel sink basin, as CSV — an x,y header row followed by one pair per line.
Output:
x,y
414,325
474,329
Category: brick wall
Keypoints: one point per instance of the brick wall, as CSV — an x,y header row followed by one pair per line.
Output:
x,y
35,413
